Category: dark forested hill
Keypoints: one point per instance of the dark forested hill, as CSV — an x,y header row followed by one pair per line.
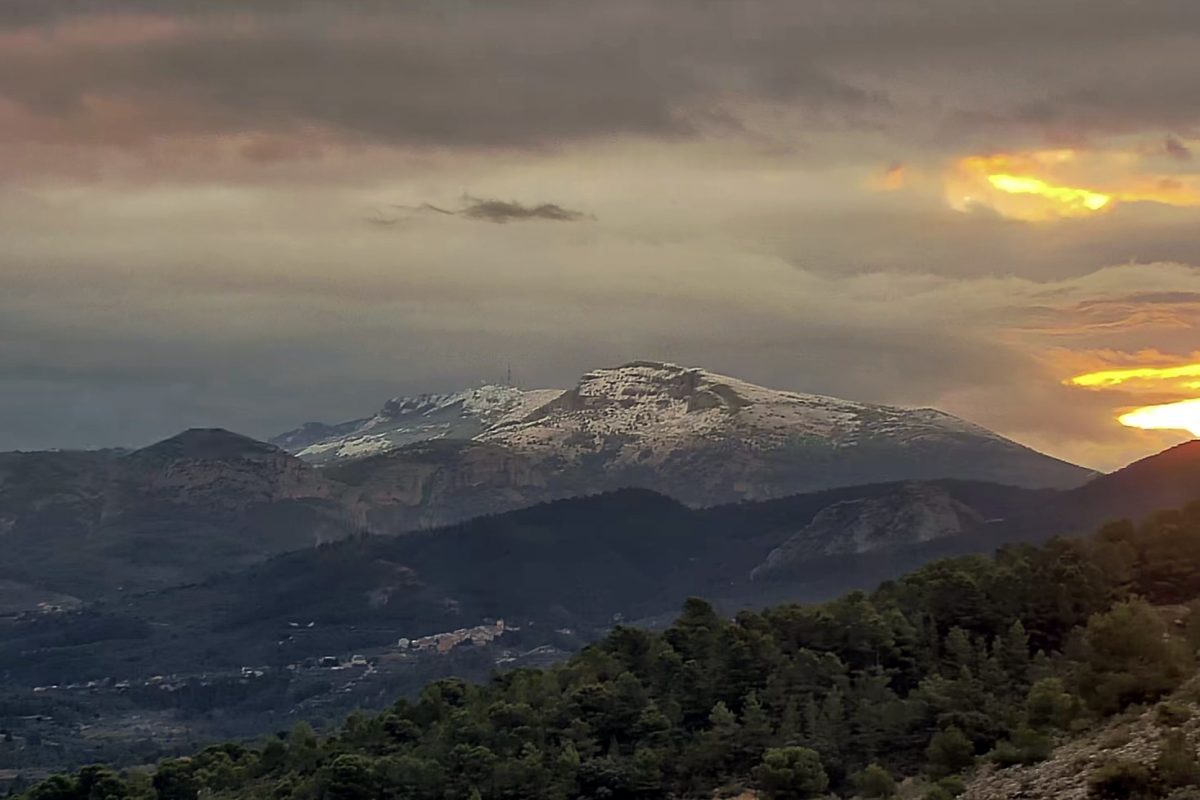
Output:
x,y
1165,480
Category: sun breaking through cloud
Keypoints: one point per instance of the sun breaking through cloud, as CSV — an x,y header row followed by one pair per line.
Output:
x,y
1044,185
1069,198
1025,186
1181,416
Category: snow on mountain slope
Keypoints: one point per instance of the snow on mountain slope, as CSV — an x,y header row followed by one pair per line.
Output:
x,y
650,409
408,420
698,436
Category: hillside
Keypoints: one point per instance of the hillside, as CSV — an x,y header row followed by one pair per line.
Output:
x,y
1158,481
206,508
577,564
88,525
1140,749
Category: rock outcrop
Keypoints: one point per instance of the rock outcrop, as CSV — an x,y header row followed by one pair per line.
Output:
x,y
911,514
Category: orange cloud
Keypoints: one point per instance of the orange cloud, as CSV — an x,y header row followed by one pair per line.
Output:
x,y
1046,185
1152,382
1116,377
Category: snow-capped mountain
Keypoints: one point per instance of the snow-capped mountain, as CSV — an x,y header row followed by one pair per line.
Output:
x,y
407,420
700,437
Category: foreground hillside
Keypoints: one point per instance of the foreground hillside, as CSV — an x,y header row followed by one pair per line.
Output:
x,y
963,663
1148,751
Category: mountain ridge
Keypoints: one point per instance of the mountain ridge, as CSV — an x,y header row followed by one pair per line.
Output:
x,y
698,436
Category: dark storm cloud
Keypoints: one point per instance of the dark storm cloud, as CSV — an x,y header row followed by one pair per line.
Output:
x,y
502,211
482,209
483,77
524,74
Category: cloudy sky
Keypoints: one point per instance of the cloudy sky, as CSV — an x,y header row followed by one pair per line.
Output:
x,y
252,215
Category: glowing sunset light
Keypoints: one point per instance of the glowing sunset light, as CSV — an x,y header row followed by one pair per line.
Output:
x,y
1047,185
1181,416
1115,377
1069,197
1033,186
1160,383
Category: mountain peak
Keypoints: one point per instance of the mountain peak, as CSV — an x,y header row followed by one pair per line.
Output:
x,y
485,400
650,383
412,419
209,444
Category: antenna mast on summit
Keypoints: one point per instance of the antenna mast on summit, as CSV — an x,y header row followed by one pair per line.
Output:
x,y
508,375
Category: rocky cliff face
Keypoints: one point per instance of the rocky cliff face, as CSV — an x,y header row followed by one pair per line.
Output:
x,y
911,514
442,482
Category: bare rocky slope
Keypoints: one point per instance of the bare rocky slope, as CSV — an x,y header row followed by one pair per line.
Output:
x,y
912,513
1136,737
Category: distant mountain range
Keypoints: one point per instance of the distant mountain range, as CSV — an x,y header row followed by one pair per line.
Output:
x,y
89,524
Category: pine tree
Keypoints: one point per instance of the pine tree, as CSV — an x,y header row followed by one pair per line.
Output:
x,y
755,734
1012,651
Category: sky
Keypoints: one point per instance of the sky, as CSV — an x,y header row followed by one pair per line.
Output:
x,y
255,215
